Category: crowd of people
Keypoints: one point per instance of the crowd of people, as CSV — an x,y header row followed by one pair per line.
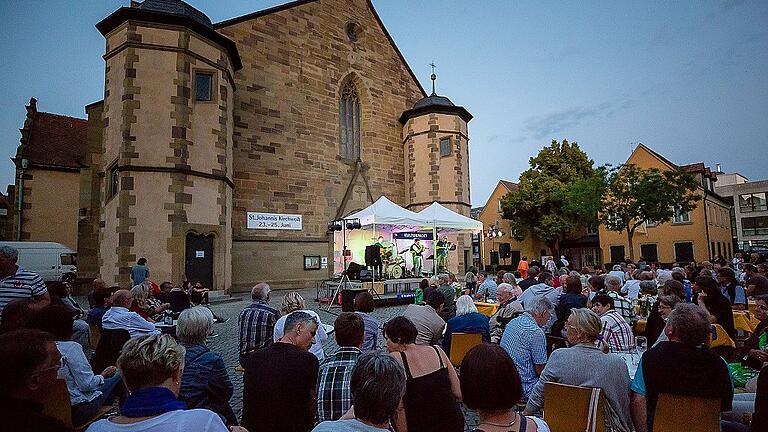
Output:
x,y
555,325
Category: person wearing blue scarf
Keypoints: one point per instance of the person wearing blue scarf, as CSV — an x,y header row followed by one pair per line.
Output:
x,y
152,368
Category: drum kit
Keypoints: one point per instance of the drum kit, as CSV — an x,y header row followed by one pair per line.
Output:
x,y
393,262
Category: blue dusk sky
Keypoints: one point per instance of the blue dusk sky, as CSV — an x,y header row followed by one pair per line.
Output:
x,y
688,78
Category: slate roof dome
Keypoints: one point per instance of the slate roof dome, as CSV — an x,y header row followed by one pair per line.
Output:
x,y
433,100
176,7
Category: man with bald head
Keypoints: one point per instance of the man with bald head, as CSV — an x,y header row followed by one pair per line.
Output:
x,y
257,322
118,317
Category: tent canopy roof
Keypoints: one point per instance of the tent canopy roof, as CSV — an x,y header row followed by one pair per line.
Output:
x,y
446,219
385,212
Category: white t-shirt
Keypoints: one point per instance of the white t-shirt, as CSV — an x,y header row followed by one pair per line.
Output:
x,y
198,420
320,336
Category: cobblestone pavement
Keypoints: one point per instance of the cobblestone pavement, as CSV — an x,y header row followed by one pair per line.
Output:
x,y
225,343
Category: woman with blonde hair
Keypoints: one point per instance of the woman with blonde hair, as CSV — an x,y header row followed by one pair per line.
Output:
x,y
140,304
292,302
467,320
585,364
152,368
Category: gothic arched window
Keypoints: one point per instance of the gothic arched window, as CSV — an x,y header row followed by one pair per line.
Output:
x,y
349,112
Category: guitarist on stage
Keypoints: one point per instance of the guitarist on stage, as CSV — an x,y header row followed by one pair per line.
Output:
x,y
417,252
441,253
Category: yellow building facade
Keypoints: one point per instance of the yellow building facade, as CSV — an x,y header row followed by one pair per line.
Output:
x,y
696,236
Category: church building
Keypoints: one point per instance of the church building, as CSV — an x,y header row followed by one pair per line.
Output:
x,y
221,151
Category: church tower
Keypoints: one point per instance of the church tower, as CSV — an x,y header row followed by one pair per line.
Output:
x,y
436,145
166,148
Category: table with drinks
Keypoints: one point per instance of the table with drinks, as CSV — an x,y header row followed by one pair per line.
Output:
x,y
632,359
487,308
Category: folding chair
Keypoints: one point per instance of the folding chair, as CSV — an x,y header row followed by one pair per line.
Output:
x,y
58,405
569,408
95,336
461,343
703,414
719,338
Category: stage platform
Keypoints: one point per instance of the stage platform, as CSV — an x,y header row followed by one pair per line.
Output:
x,y
387,292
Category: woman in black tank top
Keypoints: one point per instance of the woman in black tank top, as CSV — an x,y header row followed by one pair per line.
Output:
x,y
430,399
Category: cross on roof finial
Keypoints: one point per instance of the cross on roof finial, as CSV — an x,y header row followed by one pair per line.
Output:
x,y
433,77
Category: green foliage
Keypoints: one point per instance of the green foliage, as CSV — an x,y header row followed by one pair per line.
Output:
x,y
634,196
559,194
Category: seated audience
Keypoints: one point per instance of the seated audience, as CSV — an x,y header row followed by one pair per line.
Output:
x,y
363,307
545,288
257,322
61,294
529,279
30,363
621,304
155,306
119,317
491,386
95,285
571,298
17,315
205,383
165,290
449,307
525,342
333,389
754,353
179,300
509,278
140,304
760,416
654,326
726,279
680,366
198,293
470,283
755,283
713,301
467,320
293,301
279,385
101,302
584,364
421,292
486,289
428,323
509,307
17,283
666,304
432,385
616,333
377,385
87,391
152,368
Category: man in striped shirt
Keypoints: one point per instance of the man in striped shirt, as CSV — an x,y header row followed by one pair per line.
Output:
x,y
17,283
257,322
616,332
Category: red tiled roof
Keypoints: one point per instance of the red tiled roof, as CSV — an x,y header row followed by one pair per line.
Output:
x,y
55,141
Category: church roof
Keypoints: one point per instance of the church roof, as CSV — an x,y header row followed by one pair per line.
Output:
x,y
176,7
435,103
432,100
52,140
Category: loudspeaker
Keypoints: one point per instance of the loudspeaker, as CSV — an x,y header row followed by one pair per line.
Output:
x,y
365,275
353,270
504,251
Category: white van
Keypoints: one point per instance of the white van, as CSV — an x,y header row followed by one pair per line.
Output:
x,y
52,261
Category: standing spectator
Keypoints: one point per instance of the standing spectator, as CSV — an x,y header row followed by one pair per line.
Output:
x,y
487,288
101,303
621,304
545,288
615,330
256,322
584,364
363,307
30,364
509,307
530,279
119,317
293,301
429,325
680,366
17,283
432,386
444,287
571,298
522,267
377,386
87,391
726,279
152,369
140,272
491,385
756,283
333,381
205,383
279,385
525,342
712,300
467,320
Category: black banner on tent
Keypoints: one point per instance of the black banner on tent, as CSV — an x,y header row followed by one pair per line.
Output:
x,y
427,235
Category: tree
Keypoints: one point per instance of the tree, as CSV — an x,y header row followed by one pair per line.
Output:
x,y
556,197
634,196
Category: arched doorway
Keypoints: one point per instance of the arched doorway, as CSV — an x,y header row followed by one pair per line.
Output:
x,y
198,258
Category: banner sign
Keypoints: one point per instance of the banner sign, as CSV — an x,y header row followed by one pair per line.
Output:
x,y
273,221
425,235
